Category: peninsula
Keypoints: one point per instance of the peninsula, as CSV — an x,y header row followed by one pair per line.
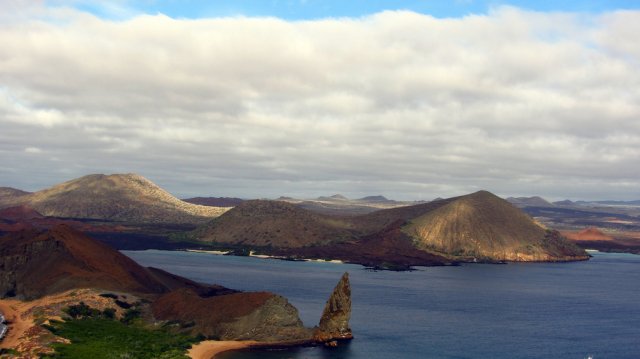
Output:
x,y
62,274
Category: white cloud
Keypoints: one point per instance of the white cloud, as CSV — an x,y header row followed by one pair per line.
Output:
x,y
32,150
396,103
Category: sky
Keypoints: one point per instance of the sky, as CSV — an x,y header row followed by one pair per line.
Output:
x,y
258,99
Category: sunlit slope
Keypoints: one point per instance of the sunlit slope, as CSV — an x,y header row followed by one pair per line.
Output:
x,y
485,227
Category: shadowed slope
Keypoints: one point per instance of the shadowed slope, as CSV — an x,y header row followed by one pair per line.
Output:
x,y
240,316
479,226
484,226
35,264
20,213
119,197
274,223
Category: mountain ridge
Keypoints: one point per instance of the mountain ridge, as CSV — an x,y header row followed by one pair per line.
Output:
x,y
117,197
436,232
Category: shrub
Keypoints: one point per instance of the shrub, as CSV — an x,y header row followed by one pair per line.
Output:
x,y
81,310
130,315
109,295
123,305
109,313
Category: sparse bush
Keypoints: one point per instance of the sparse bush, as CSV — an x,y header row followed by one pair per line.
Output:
x,y
130,315
109,295
123,305
109,313
81,310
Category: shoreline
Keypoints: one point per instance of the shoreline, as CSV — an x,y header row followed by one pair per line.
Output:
x,y
209,349
266,256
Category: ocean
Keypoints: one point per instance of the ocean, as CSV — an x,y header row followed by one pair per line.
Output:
x,y
579,310
3,326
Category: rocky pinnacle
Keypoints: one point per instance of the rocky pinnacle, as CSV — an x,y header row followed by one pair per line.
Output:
x,y
334,323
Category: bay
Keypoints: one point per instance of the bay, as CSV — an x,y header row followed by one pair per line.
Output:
x,y
528,310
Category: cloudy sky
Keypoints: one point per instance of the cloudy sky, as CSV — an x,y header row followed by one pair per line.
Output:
x,y
409,99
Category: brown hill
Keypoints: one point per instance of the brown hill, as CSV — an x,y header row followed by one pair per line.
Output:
x,y
117,197
486,227
534,201
241,316
587,234
215,201
14,219
40,263
9,195
389,249
264,223
20,213
479,226
36,263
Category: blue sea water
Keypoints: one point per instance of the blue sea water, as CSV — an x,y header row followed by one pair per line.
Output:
x,y
533,310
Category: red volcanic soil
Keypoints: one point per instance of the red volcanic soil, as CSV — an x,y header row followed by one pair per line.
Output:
x,y
14,219
35,263
20,213
592,238
588,234
186,305
41,263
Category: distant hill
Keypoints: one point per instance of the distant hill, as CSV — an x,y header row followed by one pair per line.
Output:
x,y
484,226
215,201
9,194
335,197
117,197
478,226
609,203
588,234
534,201
565,202
273,223
341,205
374,199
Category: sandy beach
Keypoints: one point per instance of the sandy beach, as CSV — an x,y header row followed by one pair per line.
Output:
x,y
210,348
221,253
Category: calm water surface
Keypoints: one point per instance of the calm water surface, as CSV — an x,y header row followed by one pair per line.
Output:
x,y
549,310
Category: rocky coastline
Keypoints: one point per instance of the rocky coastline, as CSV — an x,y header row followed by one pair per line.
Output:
x,y
49,269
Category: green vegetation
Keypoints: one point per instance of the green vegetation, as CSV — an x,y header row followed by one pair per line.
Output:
x,y
81,310
130,316
10,352
94,334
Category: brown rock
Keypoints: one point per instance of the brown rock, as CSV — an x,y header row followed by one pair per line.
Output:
x,y
239,316
334,323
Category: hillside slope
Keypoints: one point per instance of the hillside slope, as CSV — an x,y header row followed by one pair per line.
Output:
x,y
479,226
278,224
486,227
35,264
117,197
62,261
9,194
